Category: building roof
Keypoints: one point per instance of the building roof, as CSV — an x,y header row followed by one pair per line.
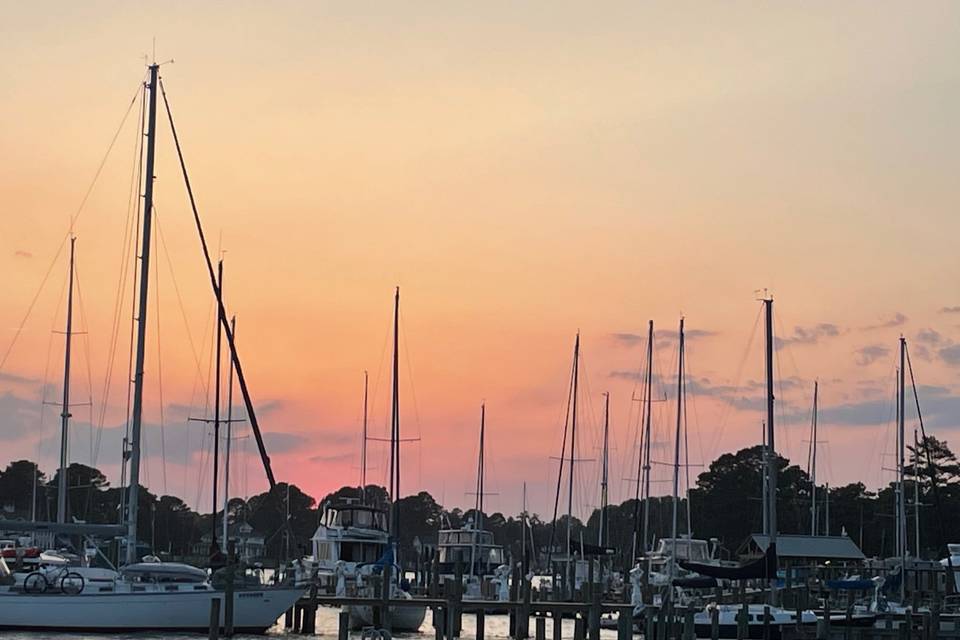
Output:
x,y
825,547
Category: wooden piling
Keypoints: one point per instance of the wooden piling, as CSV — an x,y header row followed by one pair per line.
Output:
x,y
715,623
456,609
594,615
541,628
480,625
557,625
579,628
766,622
650,628
214,618
343,625
514,597
688,628
625,625
288,618
743,616
439,623
523,623
385,597
823,629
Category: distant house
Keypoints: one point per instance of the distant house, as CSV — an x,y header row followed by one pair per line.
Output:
x,y
796,550
251,545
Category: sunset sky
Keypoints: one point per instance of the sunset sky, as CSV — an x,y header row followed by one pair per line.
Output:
x,y
522,171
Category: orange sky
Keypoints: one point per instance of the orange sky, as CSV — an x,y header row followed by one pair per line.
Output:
x,y
521,173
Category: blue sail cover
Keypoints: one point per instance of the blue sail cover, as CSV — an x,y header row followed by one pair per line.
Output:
x,y
849,585
386,558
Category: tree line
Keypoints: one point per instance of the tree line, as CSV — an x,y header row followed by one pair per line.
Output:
x,y
724,504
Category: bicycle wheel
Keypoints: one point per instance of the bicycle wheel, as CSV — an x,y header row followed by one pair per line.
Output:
x,y
72,583
35,583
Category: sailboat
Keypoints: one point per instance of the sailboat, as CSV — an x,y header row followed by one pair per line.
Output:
x,y
142,595
471,546
764,568
407,618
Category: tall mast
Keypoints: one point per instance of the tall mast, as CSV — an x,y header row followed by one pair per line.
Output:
x,y
214,547
901,449
523,531
363,444
136,421
676,448
771,448
65,412
916,494
480,466
763,480
226,444
645,453
605,471
813,463
573,447
478,509
395,424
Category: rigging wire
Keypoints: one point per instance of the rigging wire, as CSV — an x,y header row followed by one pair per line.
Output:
x,y
127,257
163,445
725,415
73,220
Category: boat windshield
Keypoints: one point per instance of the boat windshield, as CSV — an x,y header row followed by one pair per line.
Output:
x,y
360,518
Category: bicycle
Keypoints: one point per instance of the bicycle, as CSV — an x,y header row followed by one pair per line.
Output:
x,y
70,582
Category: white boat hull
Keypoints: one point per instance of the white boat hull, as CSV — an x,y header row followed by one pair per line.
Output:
x,y
255,610
401,618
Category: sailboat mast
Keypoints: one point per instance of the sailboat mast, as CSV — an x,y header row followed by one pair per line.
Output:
x,y
573,447
363,443
229,438
395,423
763,479
523,531
478,503
771,449
901,449
605,471
136,421
214,547
676,449
916,494
65,412
813,462
645,453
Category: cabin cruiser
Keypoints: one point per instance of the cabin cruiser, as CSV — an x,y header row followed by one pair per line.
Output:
x,y
350,545
474,551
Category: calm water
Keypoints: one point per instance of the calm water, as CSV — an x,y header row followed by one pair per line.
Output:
x,y
496,627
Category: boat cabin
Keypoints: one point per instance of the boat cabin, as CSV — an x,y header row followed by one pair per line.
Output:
x,y
465,545
353,533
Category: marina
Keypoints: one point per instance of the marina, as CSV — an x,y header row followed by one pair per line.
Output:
x,y
374,321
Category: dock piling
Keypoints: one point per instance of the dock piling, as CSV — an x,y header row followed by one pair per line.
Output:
x,y
541,628
214,618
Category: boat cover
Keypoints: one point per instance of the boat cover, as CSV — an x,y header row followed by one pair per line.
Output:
x,y
765,567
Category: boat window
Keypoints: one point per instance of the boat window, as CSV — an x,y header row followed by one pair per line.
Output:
x,y
323,551
496,556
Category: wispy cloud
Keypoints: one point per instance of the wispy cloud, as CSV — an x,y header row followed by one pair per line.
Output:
x,y
20,253
661,336
871,353
809,335
931,337
897,320
950,355
955,309
628,339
